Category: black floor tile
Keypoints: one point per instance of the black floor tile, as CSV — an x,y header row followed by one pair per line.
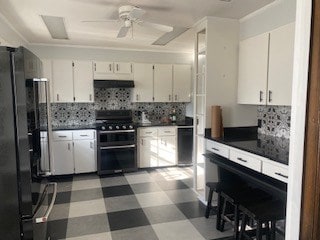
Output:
x,y
171,185
192,209
117,191
127,219
58,229
87,194
63,197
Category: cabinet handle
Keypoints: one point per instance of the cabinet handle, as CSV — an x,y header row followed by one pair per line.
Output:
x,y
241,159
169,97
131,68
91,145
270,95
118,67
137,97
216,149
95,67
167,131
176,97
142,141
261,96
281,175
90,97
58,97
148,132
83,135
61,136
69,146
110,67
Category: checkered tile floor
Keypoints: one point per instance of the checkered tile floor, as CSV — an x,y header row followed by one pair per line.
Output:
x,y
150,205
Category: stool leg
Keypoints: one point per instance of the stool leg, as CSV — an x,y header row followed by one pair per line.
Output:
x,y
209,203
273,230
268,231
243,226
236,222
218,224
223,214
259,230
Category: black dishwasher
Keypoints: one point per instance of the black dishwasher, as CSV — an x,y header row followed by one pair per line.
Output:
x,y
185,146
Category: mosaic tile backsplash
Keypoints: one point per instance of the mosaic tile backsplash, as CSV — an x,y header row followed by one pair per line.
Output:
x,y
275,120
68,114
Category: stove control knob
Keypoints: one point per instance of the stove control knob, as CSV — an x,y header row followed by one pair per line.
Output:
x,y
124,127
110,127
131,127
117,127
103,128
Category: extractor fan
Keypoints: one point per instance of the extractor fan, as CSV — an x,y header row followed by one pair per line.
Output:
x,y
130,15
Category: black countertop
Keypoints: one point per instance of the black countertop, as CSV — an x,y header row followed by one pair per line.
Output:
x,y
160,124
73,127
274,148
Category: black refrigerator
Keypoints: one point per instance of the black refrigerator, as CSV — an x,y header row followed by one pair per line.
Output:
x,y
27,197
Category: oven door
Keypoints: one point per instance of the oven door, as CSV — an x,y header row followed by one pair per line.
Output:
x,y
116,159
116,138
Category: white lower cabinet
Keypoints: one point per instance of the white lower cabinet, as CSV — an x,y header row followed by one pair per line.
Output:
x,y
74,152
157,147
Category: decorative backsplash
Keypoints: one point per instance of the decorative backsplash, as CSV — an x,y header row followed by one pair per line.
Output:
x,y
275,120
66,114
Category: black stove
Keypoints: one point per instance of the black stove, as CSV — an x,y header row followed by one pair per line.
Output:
x,y
116,141
114,120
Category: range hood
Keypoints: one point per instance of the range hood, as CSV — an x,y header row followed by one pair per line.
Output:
x,y
113,83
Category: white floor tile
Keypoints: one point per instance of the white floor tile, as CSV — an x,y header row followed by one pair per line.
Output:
x,y
85,208
139,177
99,236
180,230
86,184
153,199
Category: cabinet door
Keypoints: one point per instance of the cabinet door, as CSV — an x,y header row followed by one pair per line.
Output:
x,y
83,81
181,83
84,156
148,150
167,151
122,68
163,83
143,83
253,70
281,65
63,157
103,67
47,73
62,75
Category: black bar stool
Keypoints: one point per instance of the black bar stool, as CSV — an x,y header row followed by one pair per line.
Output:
x,y
264,213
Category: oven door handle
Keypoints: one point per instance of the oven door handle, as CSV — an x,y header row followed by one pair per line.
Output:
x,y
118,131
118,147
46,215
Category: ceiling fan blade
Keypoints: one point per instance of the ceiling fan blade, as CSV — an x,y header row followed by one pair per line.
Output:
x,y
160,27
123,32
136,13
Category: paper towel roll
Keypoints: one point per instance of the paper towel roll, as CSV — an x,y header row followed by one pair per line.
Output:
x,y
216,121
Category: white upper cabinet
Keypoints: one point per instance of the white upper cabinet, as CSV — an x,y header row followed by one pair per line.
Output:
x,y
143,83
162,82
112,70
281,65
266,68
122,68
253,70
83,81
62,75
181,83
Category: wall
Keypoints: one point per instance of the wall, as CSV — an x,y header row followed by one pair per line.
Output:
x,y
279,13
66,114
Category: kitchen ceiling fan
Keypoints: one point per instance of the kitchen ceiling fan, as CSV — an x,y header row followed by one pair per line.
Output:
x,y
130,15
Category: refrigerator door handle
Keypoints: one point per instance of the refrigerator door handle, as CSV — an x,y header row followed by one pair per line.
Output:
x,y
46,215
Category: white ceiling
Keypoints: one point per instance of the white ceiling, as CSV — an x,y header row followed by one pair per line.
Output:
x,y
24,15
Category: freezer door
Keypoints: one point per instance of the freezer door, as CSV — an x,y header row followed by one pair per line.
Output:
x,y
9,207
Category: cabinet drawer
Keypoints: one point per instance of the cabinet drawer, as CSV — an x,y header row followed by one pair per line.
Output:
x,y
62,135
277,172
148,132
167,131
217,148
83,134
247,160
